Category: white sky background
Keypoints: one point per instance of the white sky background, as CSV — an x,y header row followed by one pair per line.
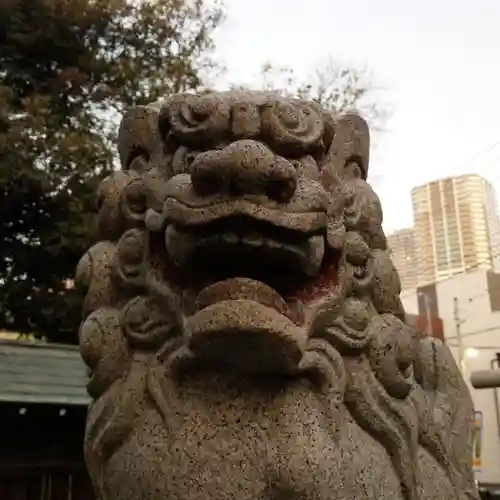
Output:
x,y
438,59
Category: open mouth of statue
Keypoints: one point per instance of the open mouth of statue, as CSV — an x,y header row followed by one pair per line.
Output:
x,y
294,264
250,278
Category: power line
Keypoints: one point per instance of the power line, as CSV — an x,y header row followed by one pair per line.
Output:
x,y
457,168
474,158
475,332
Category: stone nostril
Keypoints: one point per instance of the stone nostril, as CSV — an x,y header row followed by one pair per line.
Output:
x,y
281,190
190,157
281,180
205,183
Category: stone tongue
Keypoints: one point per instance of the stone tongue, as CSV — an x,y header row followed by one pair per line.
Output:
x,y
246,289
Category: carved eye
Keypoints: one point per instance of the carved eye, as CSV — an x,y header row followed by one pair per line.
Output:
x,y
183,159
189,158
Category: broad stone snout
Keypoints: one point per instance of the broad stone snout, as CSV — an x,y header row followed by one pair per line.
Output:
x,y
244,167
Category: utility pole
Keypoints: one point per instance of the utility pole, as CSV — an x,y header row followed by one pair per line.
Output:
x,y
430,332
458,324
428,317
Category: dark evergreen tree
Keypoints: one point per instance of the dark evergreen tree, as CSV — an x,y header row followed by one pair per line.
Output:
x,y
67,69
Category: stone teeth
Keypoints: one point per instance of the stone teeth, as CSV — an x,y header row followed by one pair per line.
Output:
x,y
272,243
214,240
314,253
335,235
231,238
180,247
253,240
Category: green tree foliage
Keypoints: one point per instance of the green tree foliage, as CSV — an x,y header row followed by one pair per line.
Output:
x,y
67,67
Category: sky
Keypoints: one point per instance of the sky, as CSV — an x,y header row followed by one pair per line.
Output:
x,y
438,61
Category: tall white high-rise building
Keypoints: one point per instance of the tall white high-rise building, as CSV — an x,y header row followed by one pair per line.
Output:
x,y
404,256
456,227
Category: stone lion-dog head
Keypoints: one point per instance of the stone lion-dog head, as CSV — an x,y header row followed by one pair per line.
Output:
x,y
242,280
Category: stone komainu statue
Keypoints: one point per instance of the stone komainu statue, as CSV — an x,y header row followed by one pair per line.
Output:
x,y
242,321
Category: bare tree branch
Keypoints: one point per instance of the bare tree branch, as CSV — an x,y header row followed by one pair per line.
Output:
x,y
341,89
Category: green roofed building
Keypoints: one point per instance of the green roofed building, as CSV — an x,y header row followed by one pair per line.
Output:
x,y
43,404
42,373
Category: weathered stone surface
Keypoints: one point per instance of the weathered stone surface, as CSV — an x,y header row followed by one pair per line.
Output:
x,y
243,324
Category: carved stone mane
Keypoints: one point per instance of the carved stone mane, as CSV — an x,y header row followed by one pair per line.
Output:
x,y
242,321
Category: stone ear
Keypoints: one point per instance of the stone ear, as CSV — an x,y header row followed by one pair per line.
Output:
x,y
351,144
139,135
